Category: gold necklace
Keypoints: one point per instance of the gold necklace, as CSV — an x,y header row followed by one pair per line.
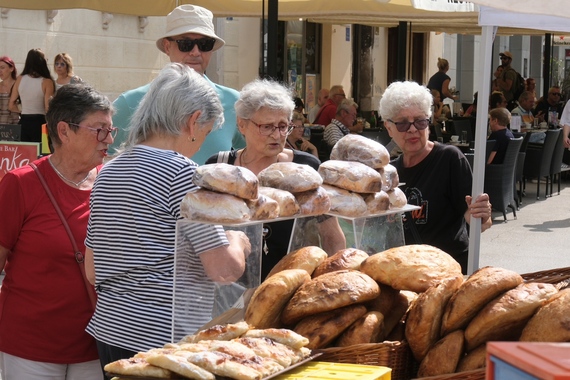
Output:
x,y
76,184
242,158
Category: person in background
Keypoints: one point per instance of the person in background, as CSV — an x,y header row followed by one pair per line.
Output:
x,y
343,123
565,123
472,109
328,110
440,80
264,112
524,109
437,177
63,67
34,87
497,100
441,111
8,75
44,302
189,39
499,118
549,104
531,86
507,80
296,140
299,105
497,74
135,206
321,99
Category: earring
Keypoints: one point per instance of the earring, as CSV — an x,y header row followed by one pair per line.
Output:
x,y
193,139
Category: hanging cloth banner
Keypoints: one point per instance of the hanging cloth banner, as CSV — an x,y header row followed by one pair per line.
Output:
x,y
445,5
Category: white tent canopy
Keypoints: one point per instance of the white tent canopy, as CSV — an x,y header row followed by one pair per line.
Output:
x,y
554,16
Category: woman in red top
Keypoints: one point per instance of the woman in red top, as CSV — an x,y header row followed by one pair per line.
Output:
x,y
44,303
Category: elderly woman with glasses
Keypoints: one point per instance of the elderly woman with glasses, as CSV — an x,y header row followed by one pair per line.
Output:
x,y
296,140
437,177
44,300
264,110
135,206
63,67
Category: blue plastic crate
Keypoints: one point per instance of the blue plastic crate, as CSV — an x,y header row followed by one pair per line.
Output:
x,y
505,371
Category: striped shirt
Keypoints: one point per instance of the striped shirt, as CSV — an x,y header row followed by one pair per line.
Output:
x,y
334,132
135,206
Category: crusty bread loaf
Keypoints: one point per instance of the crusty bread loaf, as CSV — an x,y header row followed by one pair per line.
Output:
x,y
344,202
348,258
390,178
328,292
361,149
385,301
505,316
443,356
411,267
263,208
321,329
288,205
551,323
477,291
290,176
474,359
269,299
306,258
397,198
367,329
313,202
377,203
395,317
225,178
351,176
210,206
423,323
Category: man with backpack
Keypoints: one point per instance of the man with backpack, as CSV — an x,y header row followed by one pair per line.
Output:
x,y
510,82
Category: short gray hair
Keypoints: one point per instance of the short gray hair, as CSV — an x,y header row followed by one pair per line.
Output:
x,y
263,93
346,105
173,97
402,95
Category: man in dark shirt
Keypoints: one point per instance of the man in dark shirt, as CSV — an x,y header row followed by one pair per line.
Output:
x,y
499,118
549,104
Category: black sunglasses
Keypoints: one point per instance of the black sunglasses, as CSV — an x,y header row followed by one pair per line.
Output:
x,y
403,126
204,44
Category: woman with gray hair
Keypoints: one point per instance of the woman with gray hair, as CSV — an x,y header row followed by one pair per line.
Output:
x,y
264,111
135,206
437,177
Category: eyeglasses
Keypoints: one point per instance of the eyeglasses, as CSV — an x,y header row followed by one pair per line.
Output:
x,y
555,93
341,95
204,44
268,129
59,64
404,126
102,133
293,126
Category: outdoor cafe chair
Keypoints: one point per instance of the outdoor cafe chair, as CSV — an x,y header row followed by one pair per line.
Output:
x,y
539,158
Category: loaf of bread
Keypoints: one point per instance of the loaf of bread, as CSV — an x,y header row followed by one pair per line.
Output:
x,y
344,202
478,290
306,258
385,302
390,177
290,176
423,324
411,267
505,317
367,329
348,258
313,202
551,323
322,329
473,360
263,208
397,198
210,206
395,317
443,356
351,176
377,203
288,205
328,292
225,178
360,149
269,299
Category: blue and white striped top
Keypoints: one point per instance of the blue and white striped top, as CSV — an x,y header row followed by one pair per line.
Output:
x,y
135,204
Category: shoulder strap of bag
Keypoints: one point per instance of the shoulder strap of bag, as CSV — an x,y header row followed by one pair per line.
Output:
x,y
223,157
78,255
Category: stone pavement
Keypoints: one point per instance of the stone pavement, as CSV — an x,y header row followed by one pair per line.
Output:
x,y
537,240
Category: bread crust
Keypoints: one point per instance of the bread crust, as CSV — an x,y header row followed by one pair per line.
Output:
x,y
474,359
505,316
306,258
367,329
348,258
551,323
210,206
290,176
361,149
377,203
225,178
288,205
351,176
344,202
328,292
444,356
411,267
478,290
269,299
313,202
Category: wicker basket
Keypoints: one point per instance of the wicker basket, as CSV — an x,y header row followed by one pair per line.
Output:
x,y
559,276
478,374
395,355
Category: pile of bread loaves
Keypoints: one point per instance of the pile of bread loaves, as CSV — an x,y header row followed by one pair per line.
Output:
x,y
416,292
358,181
234,351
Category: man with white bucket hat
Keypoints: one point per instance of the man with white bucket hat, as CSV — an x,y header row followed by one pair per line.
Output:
x,y
190,39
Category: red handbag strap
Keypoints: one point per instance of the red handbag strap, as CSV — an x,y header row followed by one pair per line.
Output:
x,y
78,255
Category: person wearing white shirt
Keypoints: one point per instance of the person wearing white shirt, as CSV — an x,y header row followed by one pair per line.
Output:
x,y
321,99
